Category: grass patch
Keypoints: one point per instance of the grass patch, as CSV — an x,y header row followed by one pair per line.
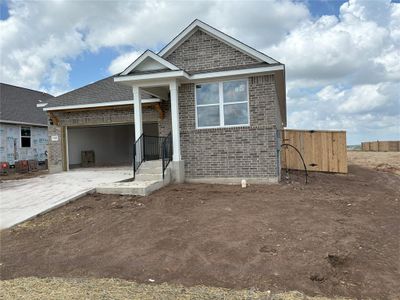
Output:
x,y
60,288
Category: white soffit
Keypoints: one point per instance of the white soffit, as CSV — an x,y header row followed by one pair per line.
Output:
x,y
101,104
149,61
209,75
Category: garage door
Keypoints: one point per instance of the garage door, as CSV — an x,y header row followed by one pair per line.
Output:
x,y
112,145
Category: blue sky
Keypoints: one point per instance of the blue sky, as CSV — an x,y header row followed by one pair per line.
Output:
x,y
342,57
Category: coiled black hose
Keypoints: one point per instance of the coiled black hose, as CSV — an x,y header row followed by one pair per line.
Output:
x,y
301,156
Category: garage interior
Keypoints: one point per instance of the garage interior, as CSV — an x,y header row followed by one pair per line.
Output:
x,y
112,145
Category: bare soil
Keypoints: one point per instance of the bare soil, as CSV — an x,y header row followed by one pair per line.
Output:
x,y
380,161
336,236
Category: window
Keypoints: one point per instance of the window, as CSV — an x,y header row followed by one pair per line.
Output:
x,y
25,137
222,104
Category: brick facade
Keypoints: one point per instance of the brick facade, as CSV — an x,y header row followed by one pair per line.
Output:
x,y
244,152
203,52
249,152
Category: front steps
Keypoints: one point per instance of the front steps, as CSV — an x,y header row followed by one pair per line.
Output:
x,y
148,179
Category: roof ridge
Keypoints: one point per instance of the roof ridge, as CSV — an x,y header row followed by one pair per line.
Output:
x,y
85,86
24,88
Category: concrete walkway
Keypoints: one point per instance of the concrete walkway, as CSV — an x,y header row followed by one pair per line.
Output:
x,y
23,199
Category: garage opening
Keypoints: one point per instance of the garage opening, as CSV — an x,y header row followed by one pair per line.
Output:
x,y
109,145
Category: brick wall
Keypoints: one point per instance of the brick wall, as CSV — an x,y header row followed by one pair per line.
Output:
x,y
55,155
204,52
165,125
244,152
101,117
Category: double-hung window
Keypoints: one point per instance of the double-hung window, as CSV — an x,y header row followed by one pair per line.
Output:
x,y
25,137
222,104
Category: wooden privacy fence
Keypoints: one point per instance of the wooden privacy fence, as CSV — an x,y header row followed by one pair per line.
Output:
x,y
323,151
381,146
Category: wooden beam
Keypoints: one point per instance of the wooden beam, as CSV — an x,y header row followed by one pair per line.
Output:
x,y
54,119
117,107
158,108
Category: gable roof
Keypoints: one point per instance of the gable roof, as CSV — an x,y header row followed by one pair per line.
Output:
x,y
161,64
18,105
261,63
197,24
102,91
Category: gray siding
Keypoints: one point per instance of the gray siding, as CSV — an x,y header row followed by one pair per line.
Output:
x,y
10,144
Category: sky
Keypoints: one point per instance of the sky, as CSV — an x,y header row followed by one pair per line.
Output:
x,y
342,57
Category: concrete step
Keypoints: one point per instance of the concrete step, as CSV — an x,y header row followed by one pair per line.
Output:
x,y
146,181
151,163
138,188
149,171
148,177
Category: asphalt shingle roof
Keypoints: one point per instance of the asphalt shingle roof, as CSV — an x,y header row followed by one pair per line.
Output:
x,y
104,90
18,104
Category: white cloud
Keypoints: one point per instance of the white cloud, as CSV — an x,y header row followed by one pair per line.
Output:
x,y
39,35
331,48
364,111
367,98
344,72
120,63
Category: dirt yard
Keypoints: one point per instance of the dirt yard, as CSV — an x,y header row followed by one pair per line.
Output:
x,y
381,161
337,236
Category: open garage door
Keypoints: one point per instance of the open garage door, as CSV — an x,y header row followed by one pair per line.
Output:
x,y
110,145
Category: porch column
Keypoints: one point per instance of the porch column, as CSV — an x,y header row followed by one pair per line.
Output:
x,y
176,139
137,107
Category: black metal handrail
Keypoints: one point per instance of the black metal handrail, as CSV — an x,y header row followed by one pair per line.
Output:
x,y
148,147
138,154
166,152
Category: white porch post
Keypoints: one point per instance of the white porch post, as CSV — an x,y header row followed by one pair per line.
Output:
x,y
176,139
137,107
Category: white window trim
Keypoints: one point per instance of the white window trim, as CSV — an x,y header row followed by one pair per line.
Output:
x,y
20,136
221,105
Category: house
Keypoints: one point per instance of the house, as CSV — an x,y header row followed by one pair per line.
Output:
x,y
209,103
23,126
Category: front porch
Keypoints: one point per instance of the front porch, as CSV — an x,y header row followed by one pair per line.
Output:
x,y
165,146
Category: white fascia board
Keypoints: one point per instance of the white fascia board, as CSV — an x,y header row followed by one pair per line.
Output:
x,y
219,35
239,72
152,55
209,75
41,105
161,75
22,123
100,104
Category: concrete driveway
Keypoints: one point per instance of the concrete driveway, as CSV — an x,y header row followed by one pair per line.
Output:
x,y
23,199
